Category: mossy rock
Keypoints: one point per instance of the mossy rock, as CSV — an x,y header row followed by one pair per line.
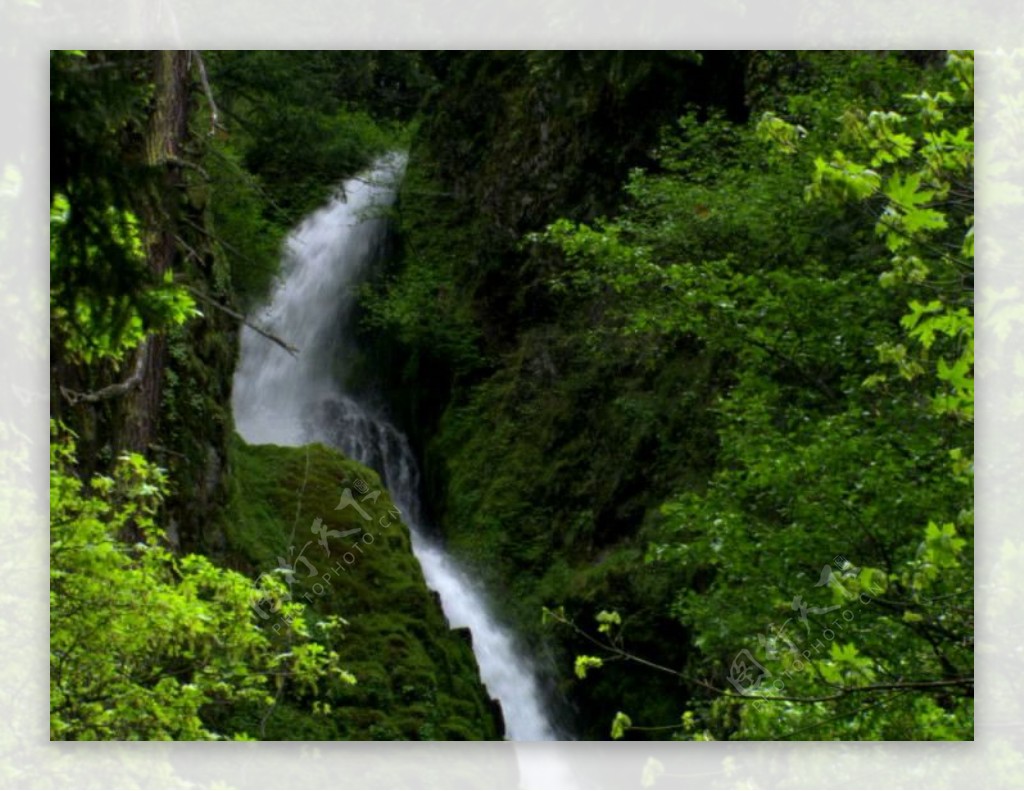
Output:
x,y
416,677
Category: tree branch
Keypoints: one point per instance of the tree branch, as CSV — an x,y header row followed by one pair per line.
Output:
x,y
226,245
964,681
292,350
844,691
812,380
614,649
111,391
214,114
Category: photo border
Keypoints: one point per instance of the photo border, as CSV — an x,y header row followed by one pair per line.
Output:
x,y
31,27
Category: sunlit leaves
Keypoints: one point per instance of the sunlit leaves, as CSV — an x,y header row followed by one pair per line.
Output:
x,y
942,547
585,663
142,642
104,323
607,621
930,104
784,136
105,296
961,65
842,178
620,725
907,215
845,365
833,419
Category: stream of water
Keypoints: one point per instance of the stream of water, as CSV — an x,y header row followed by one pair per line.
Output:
x,y
294,400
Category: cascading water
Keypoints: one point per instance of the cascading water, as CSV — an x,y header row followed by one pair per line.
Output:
x,y
294,400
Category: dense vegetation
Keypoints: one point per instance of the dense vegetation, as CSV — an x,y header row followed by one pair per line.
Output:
x,y
171,614
706,417
684,341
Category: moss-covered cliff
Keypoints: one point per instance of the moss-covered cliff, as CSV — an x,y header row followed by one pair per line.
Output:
x,y
415,677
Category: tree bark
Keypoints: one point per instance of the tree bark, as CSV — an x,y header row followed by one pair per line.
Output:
x,y
168,127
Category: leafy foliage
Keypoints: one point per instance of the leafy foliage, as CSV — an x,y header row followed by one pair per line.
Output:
x,y
825,452
147,645
301,121
436,240
148,642
104,296
709,386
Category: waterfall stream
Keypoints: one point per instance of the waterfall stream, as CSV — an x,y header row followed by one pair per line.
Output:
x,y
286,400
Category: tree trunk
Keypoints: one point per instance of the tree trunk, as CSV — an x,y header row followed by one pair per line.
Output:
x,y
165,136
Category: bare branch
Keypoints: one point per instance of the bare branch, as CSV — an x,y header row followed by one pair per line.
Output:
x,y
844,691
292,350
226,245
111,391
214,114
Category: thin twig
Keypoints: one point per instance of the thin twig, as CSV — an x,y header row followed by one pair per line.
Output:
x,y
184,163
904,685
292,350
226,245
284,216
967,681
162,449
880,703
615,649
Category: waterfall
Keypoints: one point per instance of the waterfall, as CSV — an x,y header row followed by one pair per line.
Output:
x,y
294,400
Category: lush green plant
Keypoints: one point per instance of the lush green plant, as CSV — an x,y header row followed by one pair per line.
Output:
x,y
148,645
845,432
423,307
293,120
105,298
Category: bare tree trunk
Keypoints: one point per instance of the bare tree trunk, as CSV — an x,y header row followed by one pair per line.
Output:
x,y
166,134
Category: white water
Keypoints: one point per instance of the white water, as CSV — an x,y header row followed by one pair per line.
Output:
x,y
286,400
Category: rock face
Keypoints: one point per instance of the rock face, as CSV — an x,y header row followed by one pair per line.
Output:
x,y
416,678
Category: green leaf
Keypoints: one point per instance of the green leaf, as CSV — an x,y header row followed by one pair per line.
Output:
x,y
620,725
903,190
918,220
607,620
585,663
